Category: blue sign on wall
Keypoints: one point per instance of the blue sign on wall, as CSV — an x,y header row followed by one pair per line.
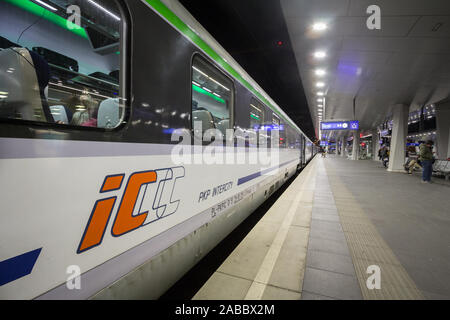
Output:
x,y
341,125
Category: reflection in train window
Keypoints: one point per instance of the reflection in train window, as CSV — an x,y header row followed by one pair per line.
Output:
x,y
60,62
275,120
276,125
212,97
256,114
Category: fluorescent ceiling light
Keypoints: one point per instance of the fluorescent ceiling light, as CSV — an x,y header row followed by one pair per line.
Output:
x,y
219,84
319,100
58,85
255,107
320,94
320,72
212,79
42,3
319,26
320,54
206,89
320,84
104,10
200,71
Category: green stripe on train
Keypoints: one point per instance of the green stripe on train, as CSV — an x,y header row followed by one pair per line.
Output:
x,y
162,9
50,16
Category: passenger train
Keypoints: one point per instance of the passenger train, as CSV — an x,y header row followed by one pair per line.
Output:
x,y
92,93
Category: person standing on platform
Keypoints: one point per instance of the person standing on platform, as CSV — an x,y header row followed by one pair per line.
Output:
x,y
426,159
385,156
322,151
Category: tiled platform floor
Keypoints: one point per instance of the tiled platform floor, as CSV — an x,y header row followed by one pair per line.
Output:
x,y
336,219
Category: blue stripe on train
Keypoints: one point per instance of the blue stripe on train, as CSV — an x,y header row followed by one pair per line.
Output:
x,y
258,174
18,267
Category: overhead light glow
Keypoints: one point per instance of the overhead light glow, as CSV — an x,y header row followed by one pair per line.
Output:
x,y
320,54
319,26
42,3
320,94
104,10
320,72
320,84
78,90
219,84
212,79
255,107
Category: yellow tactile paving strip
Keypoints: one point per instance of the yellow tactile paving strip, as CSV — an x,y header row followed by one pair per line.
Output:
x,y
367,248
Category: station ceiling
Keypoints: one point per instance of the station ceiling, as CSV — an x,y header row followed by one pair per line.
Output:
x,y
407,61
367,72
254,32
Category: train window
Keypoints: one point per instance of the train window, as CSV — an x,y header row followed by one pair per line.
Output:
x,y
256,114
60,62
212,97
283,135
276,123
276,120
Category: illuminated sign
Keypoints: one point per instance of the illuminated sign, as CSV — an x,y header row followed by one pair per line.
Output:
x,y
342,125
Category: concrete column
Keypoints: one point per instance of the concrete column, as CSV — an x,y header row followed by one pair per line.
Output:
x,y
443,130
355,153
398,139
343,145
375,144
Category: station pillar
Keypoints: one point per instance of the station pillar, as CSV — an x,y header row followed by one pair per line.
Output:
x,y
343,145
443,130
356,139
397,151
375,144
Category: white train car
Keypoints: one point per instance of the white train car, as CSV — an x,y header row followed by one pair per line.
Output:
x,y
95,96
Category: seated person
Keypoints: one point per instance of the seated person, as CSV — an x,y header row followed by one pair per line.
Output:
x,y
85,111
412,163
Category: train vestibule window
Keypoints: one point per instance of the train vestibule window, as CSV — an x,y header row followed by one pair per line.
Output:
x,y
212,98
256,114
60,62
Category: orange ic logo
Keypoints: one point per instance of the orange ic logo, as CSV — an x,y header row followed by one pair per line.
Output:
x,y
136,192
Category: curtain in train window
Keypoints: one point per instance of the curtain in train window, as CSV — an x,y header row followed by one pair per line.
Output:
x,y
60,62
212,97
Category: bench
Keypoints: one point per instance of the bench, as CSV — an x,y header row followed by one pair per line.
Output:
x,y
442,167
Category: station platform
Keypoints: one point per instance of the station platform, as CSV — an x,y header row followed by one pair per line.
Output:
x,y
338,218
